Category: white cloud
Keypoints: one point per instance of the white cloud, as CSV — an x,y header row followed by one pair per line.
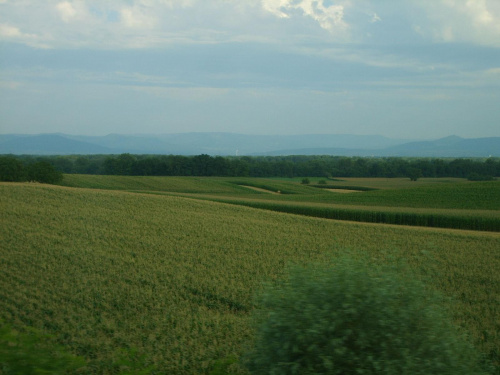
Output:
x,y
472,21
13,33
493,71
276,7
479,12
137,18
10,31
77,11
156,23
375,18
329,17
66,11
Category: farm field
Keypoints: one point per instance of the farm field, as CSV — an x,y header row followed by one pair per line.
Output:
x,y
198,185
173,277
398,192
448,203
379,182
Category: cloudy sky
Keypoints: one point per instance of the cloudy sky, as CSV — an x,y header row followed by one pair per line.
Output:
x,y
401,68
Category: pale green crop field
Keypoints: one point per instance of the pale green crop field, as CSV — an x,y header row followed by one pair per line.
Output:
x,y
174,277
200,185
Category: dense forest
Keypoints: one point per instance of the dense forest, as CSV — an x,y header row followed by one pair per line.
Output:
x,y
26,166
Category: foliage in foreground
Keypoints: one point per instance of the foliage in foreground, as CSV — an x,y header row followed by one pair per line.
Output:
x,y
352,319
33,353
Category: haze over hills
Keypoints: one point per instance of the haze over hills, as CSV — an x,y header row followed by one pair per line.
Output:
x,y
239,144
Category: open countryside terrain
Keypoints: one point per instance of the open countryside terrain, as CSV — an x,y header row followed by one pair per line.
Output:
x,y
164,266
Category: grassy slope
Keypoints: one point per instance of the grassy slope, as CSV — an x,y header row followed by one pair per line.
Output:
x,y
148,183
174,277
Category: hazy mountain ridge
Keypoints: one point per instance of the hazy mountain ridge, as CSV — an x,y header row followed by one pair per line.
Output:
x,y
44,144
241,144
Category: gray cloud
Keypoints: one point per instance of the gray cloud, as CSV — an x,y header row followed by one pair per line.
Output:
x,y
252,66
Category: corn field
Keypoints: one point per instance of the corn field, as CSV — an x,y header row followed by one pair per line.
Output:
x,y
173,278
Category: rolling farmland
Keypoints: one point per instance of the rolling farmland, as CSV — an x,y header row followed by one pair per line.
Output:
x,y
156,265
432,203
386,192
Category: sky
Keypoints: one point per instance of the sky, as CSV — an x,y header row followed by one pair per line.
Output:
x,y
412,69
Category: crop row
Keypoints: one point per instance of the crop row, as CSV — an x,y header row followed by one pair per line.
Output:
x,y
450,220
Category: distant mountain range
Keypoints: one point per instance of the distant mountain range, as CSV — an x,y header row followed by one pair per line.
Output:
x,y
239,144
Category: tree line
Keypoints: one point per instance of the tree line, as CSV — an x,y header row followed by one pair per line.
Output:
x,y
39,167
13,169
